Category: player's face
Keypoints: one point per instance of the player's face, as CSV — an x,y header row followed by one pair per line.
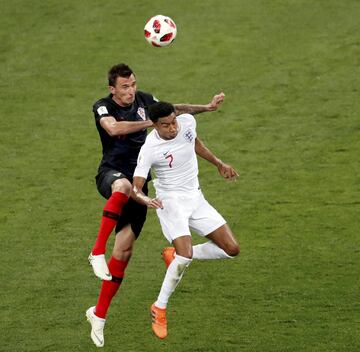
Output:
x,y
124,90
167,127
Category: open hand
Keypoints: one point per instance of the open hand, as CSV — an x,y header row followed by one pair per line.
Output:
x,y
154,203
216,101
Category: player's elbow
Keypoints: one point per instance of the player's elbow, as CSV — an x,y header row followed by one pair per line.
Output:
x,y
116,129
113,132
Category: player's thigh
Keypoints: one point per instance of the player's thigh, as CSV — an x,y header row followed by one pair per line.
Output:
x,y
205,218
174,219
133,214
106,179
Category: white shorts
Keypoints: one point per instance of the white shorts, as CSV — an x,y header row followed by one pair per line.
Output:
x,y
182,213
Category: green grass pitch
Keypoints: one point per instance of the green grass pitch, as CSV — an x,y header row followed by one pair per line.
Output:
x,y
290,125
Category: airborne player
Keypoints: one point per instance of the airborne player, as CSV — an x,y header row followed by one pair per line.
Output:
x,y
170,150
121,119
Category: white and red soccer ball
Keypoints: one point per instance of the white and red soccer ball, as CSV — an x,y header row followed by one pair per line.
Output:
x,y
160,31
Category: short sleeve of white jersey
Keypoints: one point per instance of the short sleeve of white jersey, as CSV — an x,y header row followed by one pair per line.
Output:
x,y
144,162
188,118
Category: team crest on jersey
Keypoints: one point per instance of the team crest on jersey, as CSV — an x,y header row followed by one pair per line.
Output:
x,y
188,135
141,113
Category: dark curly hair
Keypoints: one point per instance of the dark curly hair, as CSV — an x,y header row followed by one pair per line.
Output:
x,y
160,109
120,70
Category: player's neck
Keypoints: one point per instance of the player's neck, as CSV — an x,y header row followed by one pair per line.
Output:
x,y
164,138
120,103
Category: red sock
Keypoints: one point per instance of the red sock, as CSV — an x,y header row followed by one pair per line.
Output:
x,y
109,288
109,219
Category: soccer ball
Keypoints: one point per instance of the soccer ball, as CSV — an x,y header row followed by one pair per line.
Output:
x,y
160,31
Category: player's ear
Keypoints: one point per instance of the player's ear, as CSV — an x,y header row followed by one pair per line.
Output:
x,y
156,124
112,89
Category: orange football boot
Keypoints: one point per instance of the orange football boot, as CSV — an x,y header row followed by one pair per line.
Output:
x,y
168,255
158,321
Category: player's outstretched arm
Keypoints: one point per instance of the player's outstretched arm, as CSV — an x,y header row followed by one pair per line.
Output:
x,y
139,196
225,170
196,109
121,128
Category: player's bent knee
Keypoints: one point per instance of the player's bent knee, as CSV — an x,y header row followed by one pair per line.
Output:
x,y
187,256
122,185
182,262
233,250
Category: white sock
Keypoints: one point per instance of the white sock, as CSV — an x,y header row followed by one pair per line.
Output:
x,y
209,250
173,276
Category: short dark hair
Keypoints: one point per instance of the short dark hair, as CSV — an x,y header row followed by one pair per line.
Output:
x,y
120,70
160,109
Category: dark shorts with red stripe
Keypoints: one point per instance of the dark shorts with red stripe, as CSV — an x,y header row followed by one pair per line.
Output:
x,y
133,213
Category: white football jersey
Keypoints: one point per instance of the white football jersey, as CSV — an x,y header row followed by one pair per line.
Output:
x,y
173,161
